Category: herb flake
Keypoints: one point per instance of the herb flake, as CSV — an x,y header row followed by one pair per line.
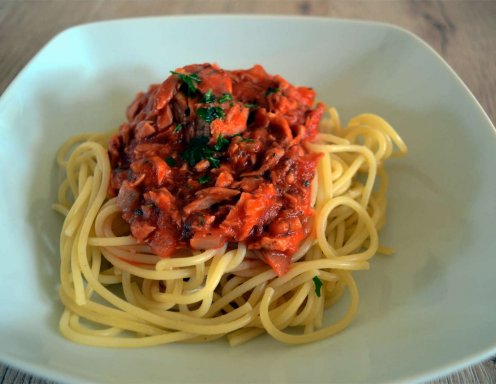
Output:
x,y
189,80
318,285
221,144
214,162
225,97
178,128
210,114
209,97
170,161
197,150
271,90
204,179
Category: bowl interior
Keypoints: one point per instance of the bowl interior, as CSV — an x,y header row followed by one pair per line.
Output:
x,y
423,311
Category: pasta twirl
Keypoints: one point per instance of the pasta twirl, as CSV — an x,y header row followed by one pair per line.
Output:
x,y
117,292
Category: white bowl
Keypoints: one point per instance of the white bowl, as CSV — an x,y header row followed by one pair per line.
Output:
x,y
425,311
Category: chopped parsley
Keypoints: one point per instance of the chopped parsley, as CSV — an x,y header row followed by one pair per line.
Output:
x,y
214,162
250,105
178,128
210,114
170,161
209,97
198,150
318,284
306,183
189,80
225,97
204,179
221,144
271,90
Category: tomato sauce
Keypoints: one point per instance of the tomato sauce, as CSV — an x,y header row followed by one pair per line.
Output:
x,y
212,156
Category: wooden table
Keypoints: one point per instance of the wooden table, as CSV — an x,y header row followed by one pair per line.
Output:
x,y
462,31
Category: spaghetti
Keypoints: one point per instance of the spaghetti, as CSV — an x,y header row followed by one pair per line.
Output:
x,y
119,291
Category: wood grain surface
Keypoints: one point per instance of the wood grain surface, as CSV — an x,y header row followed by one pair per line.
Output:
x,y
462,31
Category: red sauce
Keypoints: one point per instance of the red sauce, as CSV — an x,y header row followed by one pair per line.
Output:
x,y
213,156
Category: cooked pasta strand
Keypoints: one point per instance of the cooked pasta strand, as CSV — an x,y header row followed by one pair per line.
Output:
x,y
226,291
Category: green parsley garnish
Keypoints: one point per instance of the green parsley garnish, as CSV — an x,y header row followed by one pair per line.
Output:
x,y
209,114
189,80
250,105
209,97
318,284
204,179
198,150
272,90
244,140
225,97
214,162
221,144
178,128
170,161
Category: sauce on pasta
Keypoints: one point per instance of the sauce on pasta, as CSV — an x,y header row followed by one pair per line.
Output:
x,y
212,156
226,206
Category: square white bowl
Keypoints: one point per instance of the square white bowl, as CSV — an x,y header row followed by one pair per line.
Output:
x,y
425,311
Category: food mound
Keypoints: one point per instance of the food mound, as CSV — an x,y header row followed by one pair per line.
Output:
x,y
212,156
